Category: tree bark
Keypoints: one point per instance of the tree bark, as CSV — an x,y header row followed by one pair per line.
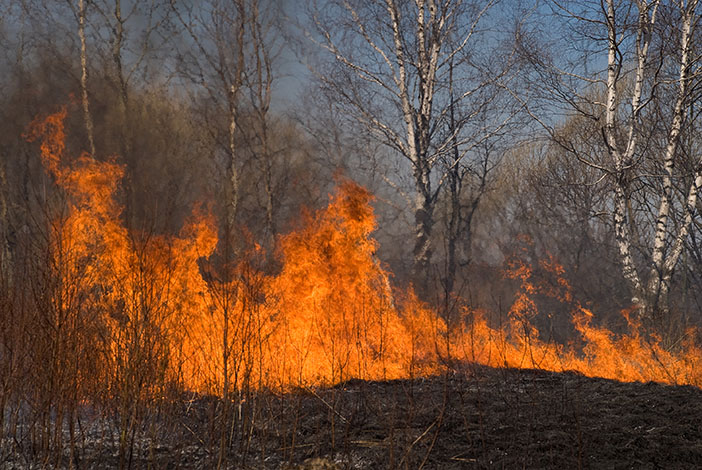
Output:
x,y
401,53
651,297
663,263
87,117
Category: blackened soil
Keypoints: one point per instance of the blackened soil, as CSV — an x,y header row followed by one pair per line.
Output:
x,y
505,418
477,418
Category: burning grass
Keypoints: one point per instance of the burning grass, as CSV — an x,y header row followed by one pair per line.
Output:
x,y
150,310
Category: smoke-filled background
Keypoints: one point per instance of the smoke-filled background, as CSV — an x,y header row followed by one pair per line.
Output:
x,y
225,197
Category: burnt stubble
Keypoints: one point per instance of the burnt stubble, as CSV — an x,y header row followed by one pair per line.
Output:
x,y
478,417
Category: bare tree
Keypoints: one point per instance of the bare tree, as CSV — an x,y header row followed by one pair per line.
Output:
x,y
134,34
217,63
467,171
259,77
82,18
642,103
392,64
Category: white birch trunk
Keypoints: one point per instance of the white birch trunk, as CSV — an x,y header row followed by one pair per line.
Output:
x,y
653,294
401,56
417,122
662,263
621,222
84,76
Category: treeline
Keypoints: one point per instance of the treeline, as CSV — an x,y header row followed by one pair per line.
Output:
x,y
507,138
481,129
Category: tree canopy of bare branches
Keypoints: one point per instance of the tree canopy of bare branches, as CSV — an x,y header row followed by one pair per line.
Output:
x,y
633,72
417,77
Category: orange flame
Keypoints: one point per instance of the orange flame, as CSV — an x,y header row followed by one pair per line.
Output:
x,y
329,315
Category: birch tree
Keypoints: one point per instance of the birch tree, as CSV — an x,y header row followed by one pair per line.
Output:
x,y
87,116
389,64
259,79
642,103
217,63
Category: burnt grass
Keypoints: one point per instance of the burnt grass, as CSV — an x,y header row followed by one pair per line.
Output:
x,y
477,418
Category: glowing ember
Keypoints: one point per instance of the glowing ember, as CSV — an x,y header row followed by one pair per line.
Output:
x,y
329,315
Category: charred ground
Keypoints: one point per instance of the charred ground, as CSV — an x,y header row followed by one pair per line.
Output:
x,y
477,418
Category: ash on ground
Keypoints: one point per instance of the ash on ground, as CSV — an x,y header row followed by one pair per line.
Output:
x,y
476,418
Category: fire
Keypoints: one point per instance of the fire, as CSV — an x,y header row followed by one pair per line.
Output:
x,y
132,289
329,315
630,357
